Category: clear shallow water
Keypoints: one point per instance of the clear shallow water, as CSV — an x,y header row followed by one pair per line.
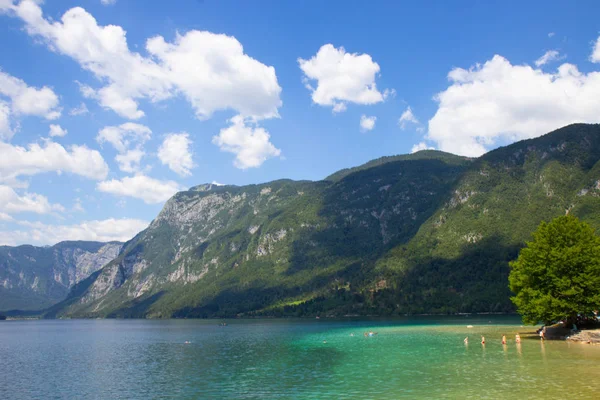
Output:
x,y
409,358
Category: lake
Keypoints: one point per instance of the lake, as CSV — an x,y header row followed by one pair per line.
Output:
x,y
410,358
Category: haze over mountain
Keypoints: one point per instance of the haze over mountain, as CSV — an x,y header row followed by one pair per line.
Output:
x,y
429,232
32,278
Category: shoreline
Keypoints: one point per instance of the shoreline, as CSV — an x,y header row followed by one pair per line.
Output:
x,y
587,336
15,316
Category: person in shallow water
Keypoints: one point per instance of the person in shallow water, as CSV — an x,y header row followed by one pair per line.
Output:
x,y
518,338
503,339
482,340
466,341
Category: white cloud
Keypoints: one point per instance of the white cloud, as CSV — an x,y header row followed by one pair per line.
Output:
x,y
107,230
367,123
549,56
79,110
6,130
421,146
124,135
595,57
130,160
123,138
341,78
339,107
11,202
57,130
217,183
551,34
38,158
5,217
108,2
24,100
210,70
498,100
406,118
213,73
150,190
250,144
27,100
175,152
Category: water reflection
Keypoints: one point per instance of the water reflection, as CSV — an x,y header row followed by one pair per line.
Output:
x,y
543,350
285,359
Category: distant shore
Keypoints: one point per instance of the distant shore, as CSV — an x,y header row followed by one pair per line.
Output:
x,y
28,315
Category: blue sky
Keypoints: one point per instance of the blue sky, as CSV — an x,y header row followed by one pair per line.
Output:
x,y
109,107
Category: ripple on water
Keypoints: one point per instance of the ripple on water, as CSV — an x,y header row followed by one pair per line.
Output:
x,y
287,359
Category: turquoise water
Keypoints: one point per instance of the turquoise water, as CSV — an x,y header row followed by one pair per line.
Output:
x,y
266,359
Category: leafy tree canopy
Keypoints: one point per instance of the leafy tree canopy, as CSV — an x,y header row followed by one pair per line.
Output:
x,y
557,275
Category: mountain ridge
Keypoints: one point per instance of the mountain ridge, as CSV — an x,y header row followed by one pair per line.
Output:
x,y
428,232
33,277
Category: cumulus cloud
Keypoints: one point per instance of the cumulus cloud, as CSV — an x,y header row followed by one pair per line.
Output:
x,y
214,74
79,110
130,160
37,233
421,146
150,190
498,100
124,135
595,57
549,56
24,100
175,152
17,161
406,118
28,100
210,70
57,130
250,143
341,78
367,123
128,139
12,203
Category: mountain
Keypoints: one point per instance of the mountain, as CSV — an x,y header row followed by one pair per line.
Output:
x,y
37,277
429,232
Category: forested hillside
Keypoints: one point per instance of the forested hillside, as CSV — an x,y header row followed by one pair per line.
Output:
x,y
423,233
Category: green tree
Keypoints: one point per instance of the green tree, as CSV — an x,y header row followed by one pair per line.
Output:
x,y
557,274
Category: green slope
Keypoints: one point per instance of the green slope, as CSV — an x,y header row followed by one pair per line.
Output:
x,y
428,232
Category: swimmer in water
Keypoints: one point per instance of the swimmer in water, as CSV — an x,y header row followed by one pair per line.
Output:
x,y
466,341
503,339
518,338
482,340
